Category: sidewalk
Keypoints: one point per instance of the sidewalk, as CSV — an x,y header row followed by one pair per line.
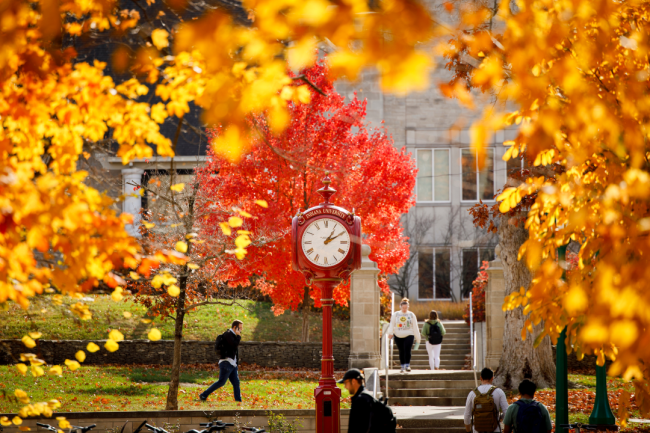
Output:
x,y
428,412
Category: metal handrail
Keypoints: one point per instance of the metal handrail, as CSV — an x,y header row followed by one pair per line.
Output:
x,y
471,339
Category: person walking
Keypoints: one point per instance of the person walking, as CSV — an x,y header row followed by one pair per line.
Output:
x,y
527,414
404,326
485,406
433,331
227,346
367,415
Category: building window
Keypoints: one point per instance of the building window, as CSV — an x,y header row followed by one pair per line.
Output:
x,y
518,164
433,175
473,258
477,185
434,274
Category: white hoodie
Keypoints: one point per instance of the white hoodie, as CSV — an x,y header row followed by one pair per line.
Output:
x,y
404,324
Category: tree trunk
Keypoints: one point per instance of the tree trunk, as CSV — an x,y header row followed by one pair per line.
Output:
x,y
305,316
172,393
519,359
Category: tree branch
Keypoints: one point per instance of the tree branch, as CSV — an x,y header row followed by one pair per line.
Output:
x,y
312,85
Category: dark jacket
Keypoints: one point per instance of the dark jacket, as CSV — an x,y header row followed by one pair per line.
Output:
x,y
230,346
361,412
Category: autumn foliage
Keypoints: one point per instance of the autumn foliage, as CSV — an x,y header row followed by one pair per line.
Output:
x,y
478,296
370,175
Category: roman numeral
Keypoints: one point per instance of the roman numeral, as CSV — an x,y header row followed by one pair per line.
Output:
x,y
309,251
325,223
325,258
308,242
310,233
317,226
335,259
316,258
341,251
344,242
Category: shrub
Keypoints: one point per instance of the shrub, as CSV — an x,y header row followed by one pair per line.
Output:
x,y
478,296
447,310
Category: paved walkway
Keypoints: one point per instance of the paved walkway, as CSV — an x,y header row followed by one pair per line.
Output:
x,y
428,412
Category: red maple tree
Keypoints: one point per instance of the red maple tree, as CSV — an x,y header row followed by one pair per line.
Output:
x,y
328,134
478,295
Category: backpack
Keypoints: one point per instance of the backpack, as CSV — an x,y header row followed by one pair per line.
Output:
x,y
383,415
485,415
529,417
435,334
218,345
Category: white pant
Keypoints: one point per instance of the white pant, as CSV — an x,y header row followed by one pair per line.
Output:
x,y
434,355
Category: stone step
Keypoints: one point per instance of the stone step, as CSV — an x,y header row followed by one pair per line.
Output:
x,y
443,356
427,401
435,392
405,382
421,425
431,375
443,364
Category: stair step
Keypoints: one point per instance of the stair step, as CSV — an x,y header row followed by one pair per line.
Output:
x,y
435,392
429,384
431,375
433,429
422,424
428,401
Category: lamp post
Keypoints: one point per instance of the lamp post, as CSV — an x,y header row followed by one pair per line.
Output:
x,y
326,242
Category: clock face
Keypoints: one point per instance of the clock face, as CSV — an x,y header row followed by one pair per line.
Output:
x,y
325,242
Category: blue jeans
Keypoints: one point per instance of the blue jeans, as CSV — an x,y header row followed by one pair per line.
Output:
x,y
226,372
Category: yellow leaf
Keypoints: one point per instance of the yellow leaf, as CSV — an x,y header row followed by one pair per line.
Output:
x,y
72,365
624,333
27,341
116,335
181,247
575,300
242,241
127,314
16,420
37,371
154,335
92,347
111,345
225,229
262,203
303,53
244,214
63,423
159,38
193,266
178,187
235,222
4,421
80,355
146,321
36,239
22,368
174,290
21,396
117,295
56,370
35,335
148,224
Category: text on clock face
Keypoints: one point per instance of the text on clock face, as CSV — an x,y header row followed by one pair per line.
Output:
x,y
325,242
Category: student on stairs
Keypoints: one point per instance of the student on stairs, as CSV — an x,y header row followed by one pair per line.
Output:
x,y
404,325
433,331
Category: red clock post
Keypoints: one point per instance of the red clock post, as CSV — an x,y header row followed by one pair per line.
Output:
x,y
326,249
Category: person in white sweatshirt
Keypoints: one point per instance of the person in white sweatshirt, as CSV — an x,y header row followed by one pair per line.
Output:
x,y
404,326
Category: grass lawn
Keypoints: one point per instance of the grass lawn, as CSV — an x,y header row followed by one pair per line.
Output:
x,y
581,401
57,322
144,387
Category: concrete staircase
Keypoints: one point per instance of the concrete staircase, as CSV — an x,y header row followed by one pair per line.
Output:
x,y
431,388
455,347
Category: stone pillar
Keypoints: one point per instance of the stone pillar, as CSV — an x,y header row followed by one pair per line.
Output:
x,y
132,200
364,314
495,317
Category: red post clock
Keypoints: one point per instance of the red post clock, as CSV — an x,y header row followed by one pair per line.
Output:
x,y
326,249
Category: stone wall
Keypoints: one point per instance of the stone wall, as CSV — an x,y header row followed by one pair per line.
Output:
x,y
186,419
265,354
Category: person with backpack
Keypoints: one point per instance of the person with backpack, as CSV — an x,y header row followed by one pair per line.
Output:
x,y
527,415
404,326
367,414
485,406
227,348
433,331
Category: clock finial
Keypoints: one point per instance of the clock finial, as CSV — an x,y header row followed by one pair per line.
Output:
x,y
326,191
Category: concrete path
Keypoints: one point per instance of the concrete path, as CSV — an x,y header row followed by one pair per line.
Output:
x,y
420,419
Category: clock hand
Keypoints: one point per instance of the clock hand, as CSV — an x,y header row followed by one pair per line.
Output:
x,y
327,241
329,238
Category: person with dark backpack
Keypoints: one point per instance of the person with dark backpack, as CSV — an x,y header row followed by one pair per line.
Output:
x,y
527,415
433,331
227,348
485,406
367,414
